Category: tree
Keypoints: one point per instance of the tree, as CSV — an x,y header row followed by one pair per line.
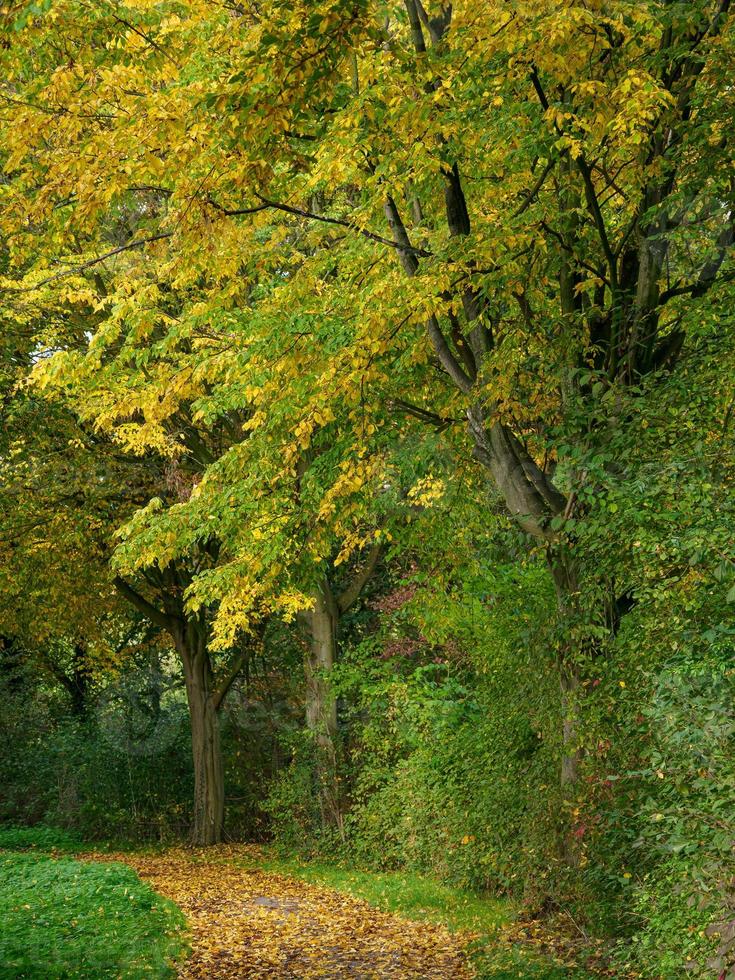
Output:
x,y
536,200
320,622
206,690
64,492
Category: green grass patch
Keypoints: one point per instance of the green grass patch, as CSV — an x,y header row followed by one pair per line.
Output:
x,y
411,895
53,840
63,918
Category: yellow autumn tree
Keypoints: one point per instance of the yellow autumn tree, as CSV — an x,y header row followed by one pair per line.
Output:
x,y
504,214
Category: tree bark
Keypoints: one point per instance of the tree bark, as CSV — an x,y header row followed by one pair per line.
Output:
x,y
320,630
209,786
564,573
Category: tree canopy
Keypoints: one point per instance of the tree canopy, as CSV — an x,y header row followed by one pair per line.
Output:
x,y
309,304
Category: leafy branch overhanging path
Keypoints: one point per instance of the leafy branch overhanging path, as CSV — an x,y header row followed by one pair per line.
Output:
x,y
247,923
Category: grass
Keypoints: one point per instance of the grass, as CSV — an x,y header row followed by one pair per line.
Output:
x,y
411,895
63,918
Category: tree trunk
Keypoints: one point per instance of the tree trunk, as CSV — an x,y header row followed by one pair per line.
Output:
x,y
78,686
320,628
569,682
564,574
189,633
209,786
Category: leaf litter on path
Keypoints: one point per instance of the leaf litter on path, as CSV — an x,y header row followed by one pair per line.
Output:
x,y
251,924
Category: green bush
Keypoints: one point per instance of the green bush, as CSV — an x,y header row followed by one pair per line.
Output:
x,y
672,939
123,770
681,914
450,715
38,838
292,805
120,770
448,787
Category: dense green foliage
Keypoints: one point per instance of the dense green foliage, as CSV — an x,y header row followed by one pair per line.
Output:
x,y
367,477
40,837
63,918
123,771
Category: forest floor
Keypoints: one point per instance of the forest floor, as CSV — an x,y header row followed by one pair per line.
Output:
x,y
249,920
241,911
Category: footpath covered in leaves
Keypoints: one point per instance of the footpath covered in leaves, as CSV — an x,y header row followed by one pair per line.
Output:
x,y
247,923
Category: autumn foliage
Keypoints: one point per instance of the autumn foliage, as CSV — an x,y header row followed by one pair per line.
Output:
x,y
372,363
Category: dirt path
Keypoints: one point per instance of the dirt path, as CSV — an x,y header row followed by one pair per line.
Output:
x,y
252,924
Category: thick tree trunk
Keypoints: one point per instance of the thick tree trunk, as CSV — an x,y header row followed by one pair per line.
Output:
x,y
529,494
209,786
190,636
532,498
320,629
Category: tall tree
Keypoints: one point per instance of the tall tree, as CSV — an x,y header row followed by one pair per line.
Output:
x,y
206,690
320,622
64,492
534,198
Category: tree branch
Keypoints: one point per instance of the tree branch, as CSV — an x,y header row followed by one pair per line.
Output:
x,y
149,40
436,26
536,82
371,235
410,265
92,262
402,242
162,619
585,170
594,207
448,361
234,212
529,198
235,666
417,35
352,593
708,274
441,422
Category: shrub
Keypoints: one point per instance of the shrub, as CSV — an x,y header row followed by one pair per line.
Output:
x,y
38,838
